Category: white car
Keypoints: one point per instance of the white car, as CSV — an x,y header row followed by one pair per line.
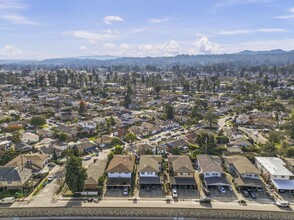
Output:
x,y
282,203
51,177
222,190
126,191
175,193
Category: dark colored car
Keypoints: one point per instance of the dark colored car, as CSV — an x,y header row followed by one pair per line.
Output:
x,y
205,200
245,193
252,195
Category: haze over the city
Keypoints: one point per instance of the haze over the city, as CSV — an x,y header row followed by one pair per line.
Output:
x,y
33,29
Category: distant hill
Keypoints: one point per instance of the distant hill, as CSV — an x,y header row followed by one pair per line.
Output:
x,y
266,51
246,57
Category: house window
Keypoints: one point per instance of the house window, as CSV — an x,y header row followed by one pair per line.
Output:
x,y
181,174
207,174
126,173
275,176
256,175
282,176
9,182
119,172
249,175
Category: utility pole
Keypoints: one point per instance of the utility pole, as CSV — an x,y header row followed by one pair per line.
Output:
x,y
206,145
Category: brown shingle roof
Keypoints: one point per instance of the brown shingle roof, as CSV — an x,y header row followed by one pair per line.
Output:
x,y
180,163
149,163
209,163
242,164
121,163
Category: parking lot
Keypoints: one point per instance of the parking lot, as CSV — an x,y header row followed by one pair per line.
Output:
x,y
118,192
158,192
229,196
188,193
287,196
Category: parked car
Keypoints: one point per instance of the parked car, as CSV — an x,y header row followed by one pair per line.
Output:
x,y
282,203
245,193
259,189
175,193
205,200
252,195
222,189
51,177
126,191
7,200
87,158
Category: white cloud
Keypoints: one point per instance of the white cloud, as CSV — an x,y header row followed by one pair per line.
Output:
x,y
233,32
288,16
272,30
109,46
171,48
11,51
109,19
204,46
18,19
124,46
83,48
12,4
248,31
109,31
90,36
158,20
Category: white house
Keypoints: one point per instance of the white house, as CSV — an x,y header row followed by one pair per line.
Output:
x,y
149,170
274,170
211,168
120,170
30,138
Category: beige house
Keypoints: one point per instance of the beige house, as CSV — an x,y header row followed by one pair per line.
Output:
x,y
14,177
31,160
181,171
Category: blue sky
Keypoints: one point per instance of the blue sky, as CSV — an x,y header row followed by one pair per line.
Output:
x,y
39,29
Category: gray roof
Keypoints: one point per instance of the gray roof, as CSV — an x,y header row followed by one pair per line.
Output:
x,y
274,165
209,163
150,163
14,173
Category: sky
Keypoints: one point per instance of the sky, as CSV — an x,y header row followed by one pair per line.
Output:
x,y
41,29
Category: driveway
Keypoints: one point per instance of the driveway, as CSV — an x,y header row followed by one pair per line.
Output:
x,y
45,195
229,196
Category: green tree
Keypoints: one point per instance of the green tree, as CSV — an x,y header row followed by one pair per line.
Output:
x,y
130,137
63,136
55,157
16,136
115,141
169,112
210,117
118,149
75,174
275,137
38,121
82,107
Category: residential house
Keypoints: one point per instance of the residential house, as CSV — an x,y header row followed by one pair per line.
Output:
x,y
245,173
181,171
31,160
120,171
211,169
85,146
104,141
274,170
149,170
14,177
94,172
29,138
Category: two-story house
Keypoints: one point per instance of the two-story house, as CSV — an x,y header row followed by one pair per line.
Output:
x,y
181,171
245,173
149,170
120,171
14,177
211,169
274,171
